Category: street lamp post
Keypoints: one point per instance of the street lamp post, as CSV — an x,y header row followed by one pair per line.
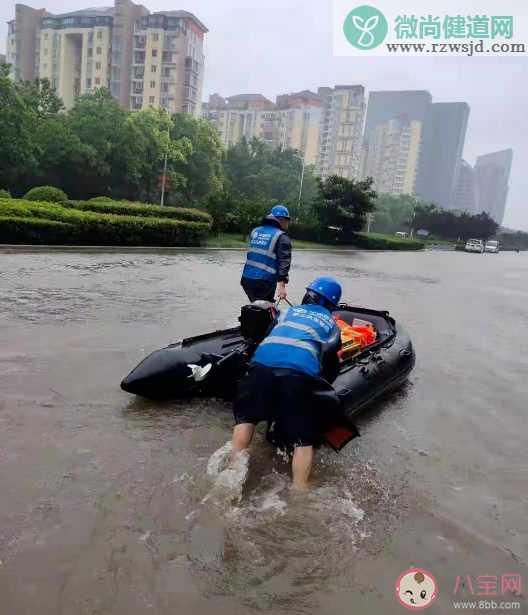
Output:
x,y
164,176
301,158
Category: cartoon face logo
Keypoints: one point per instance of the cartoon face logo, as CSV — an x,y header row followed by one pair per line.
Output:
x,y
416,589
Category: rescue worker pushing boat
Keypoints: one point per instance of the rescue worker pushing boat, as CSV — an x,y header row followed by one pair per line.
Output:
x,y
285,373
269,257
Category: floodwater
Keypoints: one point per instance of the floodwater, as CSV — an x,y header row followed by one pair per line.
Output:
x,y
105,503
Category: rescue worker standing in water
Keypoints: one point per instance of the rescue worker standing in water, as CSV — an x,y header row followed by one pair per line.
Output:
x,y
285,373
269,257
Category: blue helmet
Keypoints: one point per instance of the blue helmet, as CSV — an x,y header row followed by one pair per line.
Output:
x,y
328,288
280,211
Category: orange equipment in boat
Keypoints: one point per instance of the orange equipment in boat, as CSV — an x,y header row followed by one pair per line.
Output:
x,y
355,337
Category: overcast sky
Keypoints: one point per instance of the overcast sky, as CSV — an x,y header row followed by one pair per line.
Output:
x,y
277,46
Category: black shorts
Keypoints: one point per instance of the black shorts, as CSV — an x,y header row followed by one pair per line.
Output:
x,y
284,398
259,289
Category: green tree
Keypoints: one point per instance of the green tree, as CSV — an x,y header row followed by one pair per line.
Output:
x,y
40,97
395,212
203,165
100,124
255,171
344,203
147,140
17,122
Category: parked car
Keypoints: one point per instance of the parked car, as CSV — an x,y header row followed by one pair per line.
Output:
x,y
401,234
492,245
474,245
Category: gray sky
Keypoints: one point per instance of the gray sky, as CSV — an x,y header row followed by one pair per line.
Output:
x,y
280,46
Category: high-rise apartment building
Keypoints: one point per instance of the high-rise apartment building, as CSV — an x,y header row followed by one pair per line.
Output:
x,y
492,175
243,116
298,123
442,128
465,197
341,130
399,118
442,148
391,155
292,122
22,42
144,59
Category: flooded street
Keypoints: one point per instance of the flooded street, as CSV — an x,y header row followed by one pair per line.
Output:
x,y
101,494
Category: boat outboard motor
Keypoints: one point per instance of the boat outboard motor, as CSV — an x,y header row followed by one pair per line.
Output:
x,y
256,319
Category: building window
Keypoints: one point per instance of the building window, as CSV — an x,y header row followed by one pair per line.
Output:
x,y
153,68
155,37
88,84
98,51
151,100
97,81
44,67
154,53
45,51
99,34
90,53
98,66
90,37
45,36
152,84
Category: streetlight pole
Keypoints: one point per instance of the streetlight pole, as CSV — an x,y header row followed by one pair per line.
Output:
x,y
164,177
301,158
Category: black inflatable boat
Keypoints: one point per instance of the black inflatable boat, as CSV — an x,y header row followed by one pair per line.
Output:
x,y
212,364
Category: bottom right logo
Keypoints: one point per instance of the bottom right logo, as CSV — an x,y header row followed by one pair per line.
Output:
x,y
416,589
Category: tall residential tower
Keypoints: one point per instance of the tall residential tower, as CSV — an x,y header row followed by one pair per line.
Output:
x,y
143,59
341,131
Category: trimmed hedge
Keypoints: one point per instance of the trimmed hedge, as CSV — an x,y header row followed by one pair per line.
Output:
x,y
5,194
141,209
100,199
373,241
91,228
49,194
34,230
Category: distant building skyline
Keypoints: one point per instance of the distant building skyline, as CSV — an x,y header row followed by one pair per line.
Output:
x,y
291,122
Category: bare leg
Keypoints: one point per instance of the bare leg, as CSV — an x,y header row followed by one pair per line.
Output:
x,y
242,436
302,462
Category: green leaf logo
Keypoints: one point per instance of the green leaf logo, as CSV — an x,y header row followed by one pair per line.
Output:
x,y
365,27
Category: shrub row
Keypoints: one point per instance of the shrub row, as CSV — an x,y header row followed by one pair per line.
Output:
x,y
91,228
140,209
372,241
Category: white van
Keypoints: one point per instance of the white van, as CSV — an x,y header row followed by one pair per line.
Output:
x,y
492,245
